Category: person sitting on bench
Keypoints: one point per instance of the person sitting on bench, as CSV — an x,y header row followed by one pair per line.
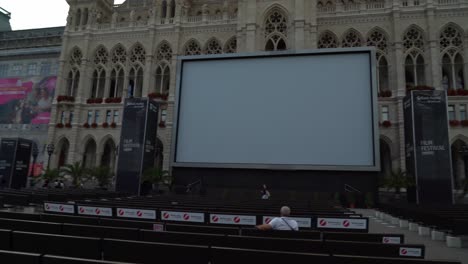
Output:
x,y
281,223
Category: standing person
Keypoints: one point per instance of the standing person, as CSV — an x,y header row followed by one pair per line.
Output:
x,y
281,223
265,193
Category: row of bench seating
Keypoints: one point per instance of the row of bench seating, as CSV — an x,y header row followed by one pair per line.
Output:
x,y
25,197
452,219
219,256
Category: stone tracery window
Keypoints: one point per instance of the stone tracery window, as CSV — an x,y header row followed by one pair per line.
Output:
x,y
413,38
192,48
450,37
119,54
351,39
327,40
213,47
276,31
451,46
164,52
377,39
138,54
231,46
76,57
276,23
101,56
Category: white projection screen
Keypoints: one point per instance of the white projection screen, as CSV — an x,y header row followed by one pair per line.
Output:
x,y
311,110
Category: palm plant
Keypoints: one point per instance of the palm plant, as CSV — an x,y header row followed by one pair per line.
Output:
x,y
102,175
51,175
77,172
398,179
157,176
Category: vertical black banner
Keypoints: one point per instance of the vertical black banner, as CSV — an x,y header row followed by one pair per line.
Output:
x,y
137,143
409,139
21,164
7,160
432,157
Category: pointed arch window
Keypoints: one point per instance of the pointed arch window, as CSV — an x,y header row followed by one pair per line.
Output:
x,y
192,48
378,39
451,46
119,54
138,54
231,46
164,52
213,47
163,75
164,9
415,69
276,31
413,38
351,39
98,83
73,81
327,40
116,82
382,72
135,86
172,9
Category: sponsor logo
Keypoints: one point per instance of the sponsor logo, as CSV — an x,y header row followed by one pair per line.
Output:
x,y
236,219
233,219
391,240
215,218
91,210
323,222
97,211
186,217
47,207
59,208
346,223
121,212
166,215
139,213
82,210
410,252
136,213
267,220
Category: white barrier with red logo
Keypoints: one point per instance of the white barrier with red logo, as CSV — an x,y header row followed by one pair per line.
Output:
x,y
182,216
59,208
136,213
301,221
342,223
411,252
95,211
391,240
233,219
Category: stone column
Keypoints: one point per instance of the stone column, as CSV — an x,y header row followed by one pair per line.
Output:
x,y
107,84
250,19
147,75
433,46
299,23
465,64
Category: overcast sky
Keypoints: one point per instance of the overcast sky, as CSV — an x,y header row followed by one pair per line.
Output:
x,y
26,14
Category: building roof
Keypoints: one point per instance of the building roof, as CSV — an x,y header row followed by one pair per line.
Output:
x,y
31,38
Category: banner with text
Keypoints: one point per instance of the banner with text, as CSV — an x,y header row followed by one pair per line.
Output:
x,y
233,219
427,146
351,224
94,211
136,213
183,216
59,208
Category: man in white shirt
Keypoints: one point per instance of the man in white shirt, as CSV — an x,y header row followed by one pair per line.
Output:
x,y
281,223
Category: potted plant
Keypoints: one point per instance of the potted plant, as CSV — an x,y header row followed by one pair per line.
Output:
x,y
113,125
59,125
386,124
162,124
369,200
160,180
397,180
50,175
86,125
105,125
68,125
102,175
77,173
94,125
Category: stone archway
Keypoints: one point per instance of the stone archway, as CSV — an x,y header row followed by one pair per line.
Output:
x,y
459,161
385,158
159,157
89,154
108,157
63,152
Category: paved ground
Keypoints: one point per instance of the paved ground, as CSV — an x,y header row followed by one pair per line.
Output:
x,y
435,250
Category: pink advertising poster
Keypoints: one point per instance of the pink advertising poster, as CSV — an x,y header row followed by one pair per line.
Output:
x,y
26,100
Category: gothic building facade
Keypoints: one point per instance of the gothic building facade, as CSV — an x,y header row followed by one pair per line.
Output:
x,y
113,51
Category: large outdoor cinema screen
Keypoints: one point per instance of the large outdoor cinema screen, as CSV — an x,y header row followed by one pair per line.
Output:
x,y
311,110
